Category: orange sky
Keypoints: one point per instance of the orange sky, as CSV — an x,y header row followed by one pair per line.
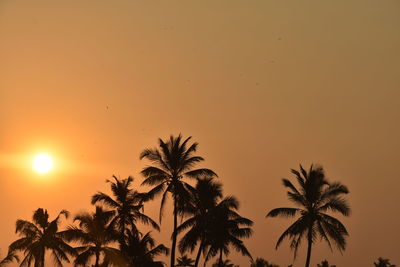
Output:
x,y
261,85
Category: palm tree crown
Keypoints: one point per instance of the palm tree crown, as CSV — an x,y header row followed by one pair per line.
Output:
x,y
171,163
383,263
185,261
205,198
315,196
141,250
227,229
96,234
39,236
127,204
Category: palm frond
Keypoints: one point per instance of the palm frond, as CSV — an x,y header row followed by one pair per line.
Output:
x,y
284,212
201,173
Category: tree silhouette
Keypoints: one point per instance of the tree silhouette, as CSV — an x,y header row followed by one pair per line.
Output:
x,y
141,250
228,228
185,261
325,263
96,234
260,262
206,195
127,205
171,163
383,263
315,196
39,236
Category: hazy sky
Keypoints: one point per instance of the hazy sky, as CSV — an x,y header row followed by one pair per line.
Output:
x,y
261,85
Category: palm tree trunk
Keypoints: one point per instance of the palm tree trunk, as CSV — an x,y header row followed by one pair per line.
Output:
x,y
174,233
198,254
96,264
220,258
309,247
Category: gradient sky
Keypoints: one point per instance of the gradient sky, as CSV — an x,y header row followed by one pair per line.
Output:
x,y
261,85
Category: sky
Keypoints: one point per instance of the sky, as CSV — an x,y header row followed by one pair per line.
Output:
x,y
263,86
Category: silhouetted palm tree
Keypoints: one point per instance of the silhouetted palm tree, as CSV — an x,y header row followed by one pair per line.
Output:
x,y
96,235
37,237
383,263
206,195
228,228
325,263
171,163
260,262
141,250
127,204
185,261
315,196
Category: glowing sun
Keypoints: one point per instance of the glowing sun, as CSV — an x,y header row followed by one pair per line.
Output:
x,y
42,163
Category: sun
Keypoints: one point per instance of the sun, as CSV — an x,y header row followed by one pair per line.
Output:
x,y
42,163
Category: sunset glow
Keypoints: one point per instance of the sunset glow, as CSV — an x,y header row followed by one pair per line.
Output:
x,y
42,163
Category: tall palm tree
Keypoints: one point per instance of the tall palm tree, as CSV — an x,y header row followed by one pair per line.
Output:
x,y
383,263
141,250
96,235
185,261
127,204
206,195
171,163
228,228
37,237
314,197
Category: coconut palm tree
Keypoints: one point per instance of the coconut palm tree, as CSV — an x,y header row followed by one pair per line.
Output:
x,y
185,261
227,229
206,195
96,235
127,205
383,263
39,236
314,197
260,262
141,250
171,163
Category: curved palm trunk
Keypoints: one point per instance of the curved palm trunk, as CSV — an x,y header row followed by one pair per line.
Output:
x,y
309,247
174,233
198,254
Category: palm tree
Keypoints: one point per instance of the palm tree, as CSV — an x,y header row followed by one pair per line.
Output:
x,y
96,234
260,262
185,261
171,163
325,263
37,237
141,250
227,229
315,196
383,263
205,198
127,204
